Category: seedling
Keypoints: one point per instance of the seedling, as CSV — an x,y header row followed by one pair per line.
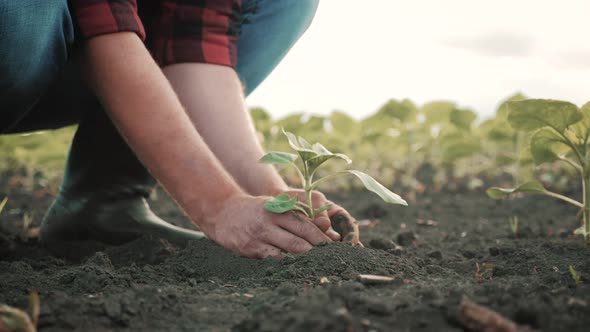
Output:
x,y
561,132
575,275
3,203
12,319
514,226
312,157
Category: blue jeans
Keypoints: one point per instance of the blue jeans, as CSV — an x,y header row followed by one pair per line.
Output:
x,y
40,87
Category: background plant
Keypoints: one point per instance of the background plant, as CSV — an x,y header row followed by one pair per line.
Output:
x,y
412,148
560,133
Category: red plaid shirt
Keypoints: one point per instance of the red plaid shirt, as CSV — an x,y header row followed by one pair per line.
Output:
x,y
174,30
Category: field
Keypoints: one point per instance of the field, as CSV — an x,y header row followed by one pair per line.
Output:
x,y
450,244
146,285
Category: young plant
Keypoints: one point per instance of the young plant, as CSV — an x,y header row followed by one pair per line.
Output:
x,y
575,275
312,157
514,226
13,319
561,132
3,203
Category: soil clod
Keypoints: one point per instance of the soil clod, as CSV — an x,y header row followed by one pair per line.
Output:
x,y
406,238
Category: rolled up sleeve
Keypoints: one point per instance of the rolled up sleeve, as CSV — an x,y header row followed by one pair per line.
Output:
x,y
98,17
198,31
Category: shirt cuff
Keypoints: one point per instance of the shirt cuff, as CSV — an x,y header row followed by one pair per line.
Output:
x,y
106,16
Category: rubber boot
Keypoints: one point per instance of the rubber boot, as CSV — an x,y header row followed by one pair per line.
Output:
x,y
104,191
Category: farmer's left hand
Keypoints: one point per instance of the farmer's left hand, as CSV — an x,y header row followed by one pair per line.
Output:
x,y
346,226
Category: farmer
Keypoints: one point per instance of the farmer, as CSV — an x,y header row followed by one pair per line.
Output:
x,y
157,90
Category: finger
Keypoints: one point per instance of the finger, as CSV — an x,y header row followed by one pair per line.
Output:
x,y
345,224
288,242
332,234
335,209
322,221
318,200
264,251
303,228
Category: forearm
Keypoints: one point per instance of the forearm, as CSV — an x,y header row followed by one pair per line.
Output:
x,y
146,111
214,101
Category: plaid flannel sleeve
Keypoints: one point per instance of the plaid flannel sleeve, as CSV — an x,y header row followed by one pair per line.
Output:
x,y
196,31
97,17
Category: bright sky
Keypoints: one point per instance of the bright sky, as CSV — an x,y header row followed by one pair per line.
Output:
x,y
358,54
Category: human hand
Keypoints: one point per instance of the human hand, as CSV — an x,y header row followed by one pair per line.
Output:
x,y
345,224
336,222
322,220
245,227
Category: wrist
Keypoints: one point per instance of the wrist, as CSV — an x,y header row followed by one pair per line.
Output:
x,y
265,184
273,189
208,221
206,208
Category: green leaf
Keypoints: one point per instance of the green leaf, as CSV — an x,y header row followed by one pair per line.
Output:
x,y
529,187
315,124
582,128
343,123
463,118
3,203
398,110
278,158
438,111
376,187
293,122
259,113
281,204
323,151
300,145
458,149
323,155
496,130
546,146
502,111
533,114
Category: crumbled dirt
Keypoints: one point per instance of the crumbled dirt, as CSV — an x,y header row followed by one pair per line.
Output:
x,y
468,251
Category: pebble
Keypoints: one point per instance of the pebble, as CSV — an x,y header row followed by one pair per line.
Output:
x,y
494,251
468,254
406,238
382,244
435,254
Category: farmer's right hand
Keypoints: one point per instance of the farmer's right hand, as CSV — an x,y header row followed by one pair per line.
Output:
x,y
245,227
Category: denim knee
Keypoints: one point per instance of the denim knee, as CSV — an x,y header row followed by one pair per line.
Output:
x,y
34,40
268,31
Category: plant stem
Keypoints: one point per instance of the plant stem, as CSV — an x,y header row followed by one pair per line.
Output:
x,y
564,198
573,164
586,201
301,177
572,146
519,144
307,178
308,200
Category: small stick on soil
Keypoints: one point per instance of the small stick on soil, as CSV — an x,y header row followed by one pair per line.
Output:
x,y
371,279
479,318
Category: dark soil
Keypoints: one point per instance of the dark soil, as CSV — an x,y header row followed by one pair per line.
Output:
x,y
147,285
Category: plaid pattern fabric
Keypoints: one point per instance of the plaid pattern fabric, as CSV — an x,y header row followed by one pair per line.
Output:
x,y
174,30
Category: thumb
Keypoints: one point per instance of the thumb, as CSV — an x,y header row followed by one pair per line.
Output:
x,y
322,221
